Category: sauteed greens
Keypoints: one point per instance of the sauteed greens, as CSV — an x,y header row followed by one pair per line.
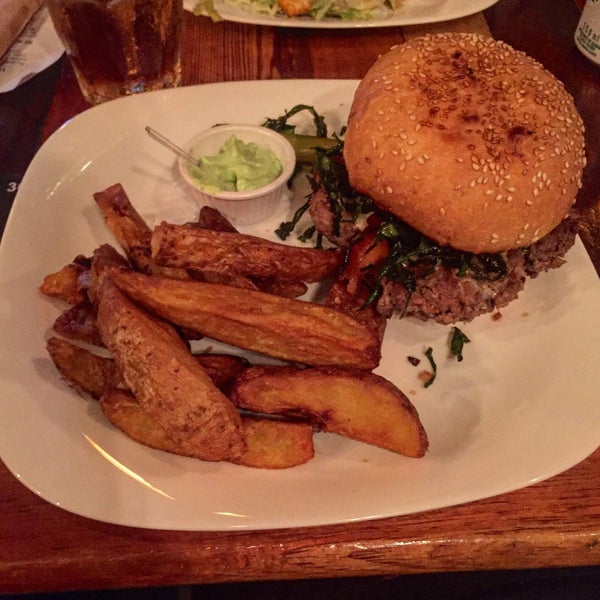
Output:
x,y
410,254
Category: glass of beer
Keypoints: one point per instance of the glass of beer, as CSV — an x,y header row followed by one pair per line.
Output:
x,y
120,47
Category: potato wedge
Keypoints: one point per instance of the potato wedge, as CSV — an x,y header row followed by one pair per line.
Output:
x,y
82,369
275,444
351,402
222,368
131,231
288,288
134,236
223,277
92,373
124,411
78,323
69,283
270,444
166,379
211,218
280,327
190,247
104,257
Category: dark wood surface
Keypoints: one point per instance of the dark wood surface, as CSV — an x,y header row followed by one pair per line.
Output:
x,y
551,524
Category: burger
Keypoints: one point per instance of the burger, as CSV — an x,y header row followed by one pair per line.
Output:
x,y
455,181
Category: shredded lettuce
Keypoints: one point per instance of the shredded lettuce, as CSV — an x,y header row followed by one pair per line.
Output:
x,y
347,10
206,7
263,7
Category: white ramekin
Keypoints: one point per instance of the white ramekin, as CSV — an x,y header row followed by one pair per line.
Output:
x,y
251,206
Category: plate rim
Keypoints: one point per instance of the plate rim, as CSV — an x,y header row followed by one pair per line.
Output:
x,y
292,84
230,13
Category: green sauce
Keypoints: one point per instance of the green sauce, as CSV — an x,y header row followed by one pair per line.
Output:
x,y
237,167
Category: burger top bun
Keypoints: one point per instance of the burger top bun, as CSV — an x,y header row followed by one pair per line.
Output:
x,y
469,141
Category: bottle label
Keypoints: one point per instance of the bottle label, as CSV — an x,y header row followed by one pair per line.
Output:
x,y
587,34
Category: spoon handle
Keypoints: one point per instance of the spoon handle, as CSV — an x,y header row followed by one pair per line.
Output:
x,y
161,139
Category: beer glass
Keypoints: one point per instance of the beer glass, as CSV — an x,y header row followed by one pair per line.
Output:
x,y
120,47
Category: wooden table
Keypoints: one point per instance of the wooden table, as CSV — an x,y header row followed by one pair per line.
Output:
x,y
551,524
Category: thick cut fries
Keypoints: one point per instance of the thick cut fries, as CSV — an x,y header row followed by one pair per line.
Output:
x,y
92,373
222,368
210,218
283,328
78,323
190,247
288,288
275,444
83,370
69,283
134,236
354,403
166,379
131,231
270,444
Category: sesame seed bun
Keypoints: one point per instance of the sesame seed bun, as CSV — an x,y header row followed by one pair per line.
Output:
x,y
468,140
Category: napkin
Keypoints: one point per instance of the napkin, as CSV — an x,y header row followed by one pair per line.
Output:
x,y
34,49
15,15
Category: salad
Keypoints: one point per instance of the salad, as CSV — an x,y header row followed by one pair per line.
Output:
x,y
347,10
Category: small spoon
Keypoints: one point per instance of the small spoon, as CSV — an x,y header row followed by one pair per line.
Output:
x,y
161,139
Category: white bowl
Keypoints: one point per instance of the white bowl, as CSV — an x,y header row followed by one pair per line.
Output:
x,y
246,207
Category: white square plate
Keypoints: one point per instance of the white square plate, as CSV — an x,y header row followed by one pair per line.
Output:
x,y
521,407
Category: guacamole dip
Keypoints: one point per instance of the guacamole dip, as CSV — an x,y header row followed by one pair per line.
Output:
x,y
237,167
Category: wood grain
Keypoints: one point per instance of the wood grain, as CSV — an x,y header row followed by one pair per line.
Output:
x,y
554,523
549,524
472,24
